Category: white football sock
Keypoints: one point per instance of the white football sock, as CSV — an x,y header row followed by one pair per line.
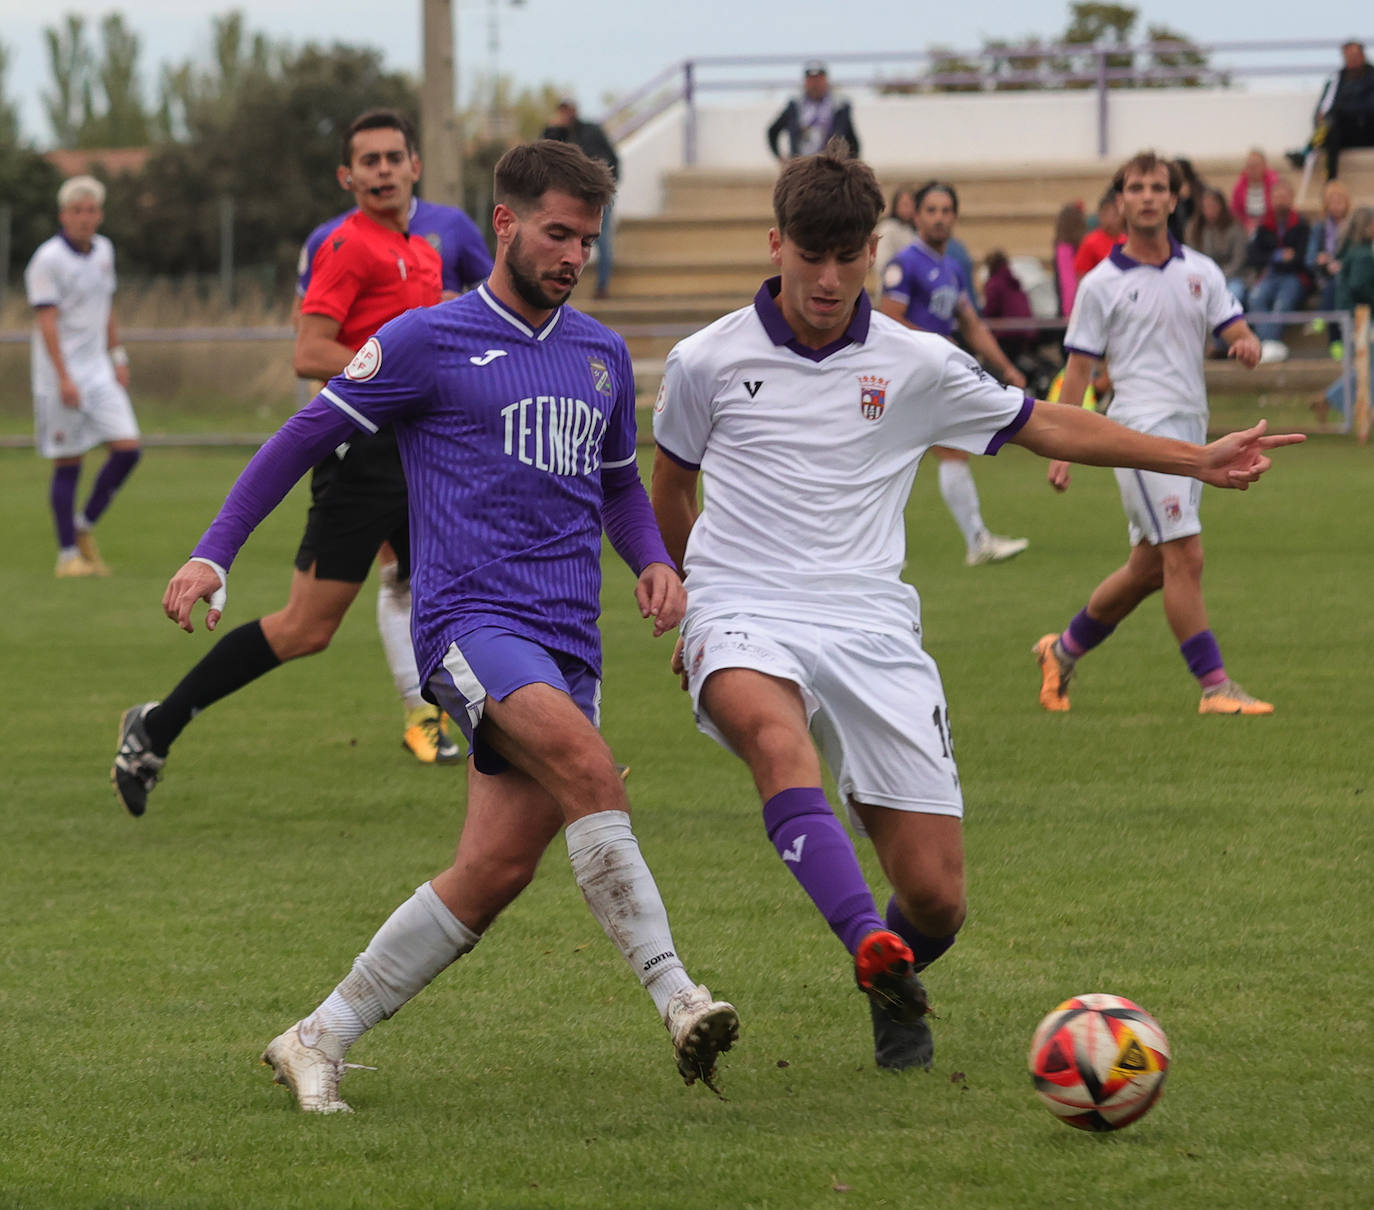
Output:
x,y
393,623
419,939
622,895
961,498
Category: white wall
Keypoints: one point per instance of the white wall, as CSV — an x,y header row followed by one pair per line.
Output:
x,y
949,129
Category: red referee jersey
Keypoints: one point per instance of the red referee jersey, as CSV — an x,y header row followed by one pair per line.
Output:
x,y
365,274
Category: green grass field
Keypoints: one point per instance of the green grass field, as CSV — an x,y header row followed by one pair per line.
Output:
x,y
1216,870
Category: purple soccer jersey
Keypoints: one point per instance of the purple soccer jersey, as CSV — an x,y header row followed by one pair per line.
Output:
x,y
455,237
504,432
928,285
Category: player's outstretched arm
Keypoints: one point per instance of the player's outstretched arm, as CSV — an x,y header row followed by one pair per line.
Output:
x,y
307,437
1071,434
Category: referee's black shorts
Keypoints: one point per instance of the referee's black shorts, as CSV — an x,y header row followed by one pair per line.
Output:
x,y
357,503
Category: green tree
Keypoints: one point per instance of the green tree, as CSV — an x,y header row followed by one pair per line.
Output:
x,y
9,111
69,104
123,117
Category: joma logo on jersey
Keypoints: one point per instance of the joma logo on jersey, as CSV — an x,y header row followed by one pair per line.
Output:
x,y
872,396
601,376
555,433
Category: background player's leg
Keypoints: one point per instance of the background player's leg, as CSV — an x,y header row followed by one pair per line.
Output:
x,y
62,500
960,495
764,720
424,733
119,465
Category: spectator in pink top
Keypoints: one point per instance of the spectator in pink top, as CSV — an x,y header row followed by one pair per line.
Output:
x,y
1069,229
1252,198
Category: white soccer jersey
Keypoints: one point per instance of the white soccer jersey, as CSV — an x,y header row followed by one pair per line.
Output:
x,y
81,286
1151,323
809,458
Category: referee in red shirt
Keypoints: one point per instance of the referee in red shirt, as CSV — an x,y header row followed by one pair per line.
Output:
x,y
367,272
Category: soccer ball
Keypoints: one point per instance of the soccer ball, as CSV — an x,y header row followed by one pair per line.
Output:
x,y
1098,1062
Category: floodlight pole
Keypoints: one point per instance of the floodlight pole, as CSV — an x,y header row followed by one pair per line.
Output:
x,y
441,146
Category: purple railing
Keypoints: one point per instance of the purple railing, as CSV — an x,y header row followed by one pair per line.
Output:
x,y
1062,65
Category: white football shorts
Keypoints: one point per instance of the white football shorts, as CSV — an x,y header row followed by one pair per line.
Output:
x,y
105,414
1162,508
874,702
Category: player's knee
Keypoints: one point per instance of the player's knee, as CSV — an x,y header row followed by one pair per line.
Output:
x,y
773,750
938,911
297,637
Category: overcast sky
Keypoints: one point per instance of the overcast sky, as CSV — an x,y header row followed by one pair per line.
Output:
x,y
592,48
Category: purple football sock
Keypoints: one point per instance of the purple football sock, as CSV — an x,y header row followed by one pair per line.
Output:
x,y
62,497
1204,658
1084,633
815,847
118,466
923,949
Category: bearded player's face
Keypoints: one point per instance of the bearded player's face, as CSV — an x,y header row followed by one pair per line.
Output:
x,y
547,248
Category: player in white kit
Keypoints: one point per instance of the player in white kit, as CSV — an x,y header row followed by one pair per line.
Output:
x,y
79,371
1150,309
809,414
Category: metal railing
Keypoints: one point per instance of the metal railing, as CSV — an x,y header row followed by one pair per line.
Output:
x,y
1099,67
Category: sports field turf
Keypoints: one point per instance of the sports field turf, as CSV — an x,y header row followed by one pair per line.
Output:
x,y
1216,870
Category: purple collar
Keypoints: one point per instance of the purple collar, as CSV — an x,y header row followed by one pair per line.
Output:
x,y
75,247
780,331
1122,261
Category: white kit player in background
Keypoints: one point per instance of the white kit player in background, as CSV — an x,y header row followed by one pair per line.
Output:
x,y
80,371
1150,309
809,414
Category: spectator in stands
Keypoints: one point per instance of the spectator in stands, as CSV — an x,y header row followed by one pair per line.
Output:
x,y
1003,298
1278,250
1189,194
1329,234
1344,116
1217,233
1069,229
566,127
897,228
1103,238
1354,286
811,119
1252,196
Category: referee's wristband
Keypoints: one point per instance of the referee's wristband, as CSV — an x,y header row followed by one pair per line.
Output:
x,y
119,355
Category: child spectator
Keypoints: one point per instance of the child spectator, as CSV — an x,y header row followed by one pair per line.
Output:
x,y
1103,238
1003,298
1069,229
1252,197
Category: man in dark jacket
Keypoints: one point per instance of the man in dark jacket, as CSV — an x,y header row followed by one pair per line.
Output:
x,y
567,127
1279,250
810,120
1345,113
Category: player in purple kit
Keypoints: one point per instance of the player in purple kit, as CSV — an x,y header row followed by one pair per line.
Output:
x,y
924,288
515,420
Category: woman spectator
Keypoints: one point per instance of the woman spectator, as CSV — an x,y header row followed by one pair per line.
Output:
x,y
1324,255
1189,195
1252,197
1070,227
1215,232
1003,298
898,228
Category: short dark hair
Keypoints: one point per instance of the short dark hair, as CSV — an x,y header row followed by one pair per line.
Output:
x,y
1144,163
377,119
528,171
827,201
937,187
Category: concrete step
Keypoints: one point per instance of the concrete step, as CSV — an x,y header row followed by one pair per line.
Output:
x,y
735,278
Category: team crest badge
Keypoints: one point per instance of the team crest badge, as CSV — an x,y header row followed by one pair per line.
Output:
x,y
872,396
1173,509
601,376
435,241
1194,285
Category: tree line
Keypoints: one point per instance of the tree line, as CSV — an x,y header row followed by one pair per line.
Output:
x,y
260,123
